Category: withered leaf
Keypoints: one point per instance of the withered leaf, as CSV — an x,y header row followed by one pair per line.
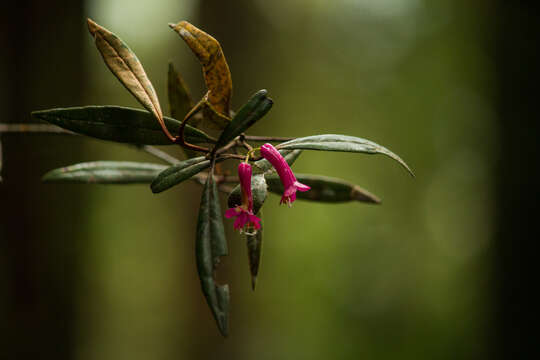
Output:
x,y
127,68
215,68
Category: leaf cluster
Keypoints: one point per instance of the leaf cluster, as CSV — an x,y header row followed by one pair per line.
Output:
x,y
210,133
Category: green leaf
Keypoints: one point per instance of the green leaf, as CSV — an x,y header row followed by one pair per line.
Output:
x,y
106,172
332,142
324,189
258,189
209,246
126,67
179,98
117,123
178,173
254,247
289,155
251,112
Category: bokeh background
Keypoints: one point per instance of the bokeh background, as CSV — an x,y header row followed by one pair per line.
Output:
x,y
108,272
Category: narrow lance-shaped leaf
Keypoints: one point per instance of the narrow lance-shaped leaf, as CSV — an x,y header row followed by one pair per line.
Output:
x,y
127,68
209,247
251,112
179,98
178,173
290,157
333,142
215,68
324,189
254,248
258,189
106,172
117,123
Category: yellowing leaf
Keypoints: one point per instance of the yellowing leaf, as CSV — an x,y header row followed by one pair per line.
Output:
x,y
215,69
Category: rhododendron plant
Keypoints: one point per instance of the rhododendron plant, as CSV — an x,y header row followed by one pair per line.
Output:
x,y
213,138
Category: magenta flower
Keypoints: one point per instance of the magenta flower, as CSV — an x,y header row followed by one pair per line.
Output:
x,y
290,184
244,213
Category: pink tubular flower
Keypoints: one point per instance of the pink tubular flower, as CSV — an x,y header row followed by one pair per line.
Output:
x,y
244,213
290,184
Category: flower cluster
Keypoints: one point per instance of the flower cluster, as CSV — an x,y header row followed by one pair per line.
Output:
x,y
245,219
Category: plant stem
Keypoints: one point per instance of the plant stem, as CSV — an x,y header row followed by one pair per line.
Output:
x,y
33,128
180,138
53,129
159,154
230,145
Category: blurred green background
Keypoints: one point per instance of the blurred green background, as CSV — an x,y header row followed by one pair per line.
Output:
x,y
108,272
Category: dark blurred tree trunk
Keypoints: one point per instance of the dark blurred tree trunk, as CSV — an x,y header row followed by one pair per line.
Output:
x,y
41,67
517,30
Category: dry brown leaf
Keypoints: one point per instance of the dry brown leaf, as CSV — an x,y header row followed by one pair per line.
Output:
x,y
128,69
215,69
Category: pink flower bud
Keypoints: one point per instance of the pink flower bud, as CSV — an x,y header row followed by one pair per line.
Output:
x,y
290,184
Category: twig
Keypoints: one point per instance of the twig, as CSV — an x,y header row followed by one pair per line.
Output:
x,y
53,129
33,128
230,145
159,154
246,145
231,156
180,138
267,138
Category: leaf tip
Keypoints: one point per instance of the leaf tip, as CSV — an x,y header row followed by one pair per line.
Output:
x,y
155,188
49,176
253,282
262,92
40,114
359,194
180,25
92,26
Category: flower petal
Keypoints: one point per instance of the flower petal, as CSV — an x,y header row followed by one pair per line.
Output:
x,y
231,212
240,221
301,187
255,221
